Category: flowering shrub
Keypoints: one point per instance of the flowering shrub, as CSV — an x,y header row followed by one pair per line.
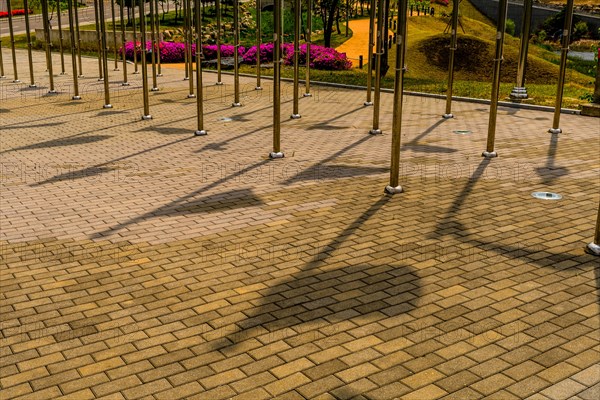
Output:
x,y
20,11
174,52
320,57
210,51
442,2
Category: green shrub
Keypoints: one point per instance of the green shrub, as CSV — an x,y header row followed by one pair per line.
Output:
x,y
510,27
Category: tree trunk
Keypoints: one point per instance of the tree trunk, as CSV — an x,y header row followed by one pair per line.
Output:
x,y
329,26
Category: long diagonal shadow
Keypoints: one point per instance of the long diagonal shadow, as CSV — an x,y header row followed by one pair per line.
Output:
x,y
326,124
550,172
532,254
415,146
315,169
299,301
70,141
102,167
173,205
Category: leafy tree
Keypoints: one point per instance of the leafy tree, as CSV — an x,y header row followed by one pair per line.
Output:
x,y
328,10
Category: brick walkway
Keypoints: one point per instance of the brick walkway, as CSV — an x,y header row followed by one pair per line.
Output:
x,y
140,262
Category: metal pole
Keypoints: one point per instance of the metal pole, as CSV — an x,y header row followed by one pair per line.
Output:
x,y
48,43
1,63
29,44
60,38
146,114
104,48
159,39
199,100
78,38
258,43
186,40
99,40
236,56
519,92
73,51
154,47
135,58
453,45
379,52
566,39
394,186
297,12
347,16
594,247
114,30
277,153
12,42
188,48
308,38
372,7
123,41
502,9
218,7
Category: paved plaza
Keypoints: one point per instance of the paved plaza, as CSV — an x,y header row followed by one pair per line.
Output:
x,y
141,262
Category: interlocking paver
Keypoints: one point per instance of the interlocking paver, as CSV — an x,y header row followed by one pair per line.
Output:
x,y
139,261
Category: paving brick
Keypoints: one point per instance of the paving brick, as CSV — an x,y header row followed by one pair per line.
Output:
x,y
427,392
492,384
287,384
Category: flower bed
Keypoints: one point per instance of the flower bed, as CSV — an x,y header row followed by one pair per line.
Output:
x,y
20,11
320,57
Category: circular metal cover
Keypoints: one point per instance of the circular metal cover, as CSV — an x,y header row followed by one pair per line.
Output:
x,y
546,196
462,132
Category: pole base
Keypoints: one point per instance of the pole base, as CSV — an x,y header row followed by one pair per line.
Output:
x,y
125,84
146,117
489,154
258,88
135,72
107,106
393,189
81,76
2,76
116,69
16,81
191,96
100,79
554,130
274,155
376,132
33,85
76,98
236,104
200,132
519,93
53,91
154,89
448,116
62,73
307,95
368,103
593,249
159,75
295,116
218,83
187,78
